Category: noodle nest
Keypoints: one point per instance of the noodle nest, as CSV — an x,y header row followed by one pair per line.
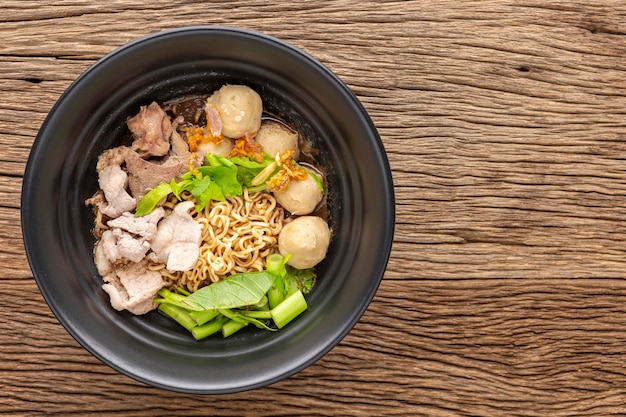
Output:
x,y
237,235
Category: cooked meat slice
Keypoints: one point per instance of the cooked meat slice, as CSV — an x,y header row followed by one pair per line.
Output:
x,y
97,200
127,240
118,245
103,264
117,293
177,242
151,129
113,156
145,175
112,180
133,288
145,226
143,307
180,151
179,146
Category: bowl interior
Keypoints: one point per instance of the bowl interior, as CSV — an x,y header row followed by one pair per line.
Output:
x,y
91,116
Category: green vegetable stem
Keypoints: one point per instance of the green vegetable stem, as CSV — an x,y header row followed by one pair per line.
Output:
x,y
181,315
275,264
275,295
289,309
231,327
203,316
211,327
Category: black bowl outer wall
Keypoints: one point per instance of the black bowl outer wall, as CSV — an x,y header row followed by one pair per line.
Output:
x,y
90,117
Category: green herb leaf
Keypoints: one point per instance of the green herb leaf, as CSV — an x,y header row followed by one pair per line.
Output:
x,y
238,290
249,163
149,201
245,176
200,185
221,178
299,279
216,192
226,178
188,175
179,187
216,160
247,169
202,201
212,160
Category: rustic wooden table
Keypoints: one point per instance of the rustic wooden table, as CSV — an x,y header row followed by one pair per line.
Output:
x,y
505,126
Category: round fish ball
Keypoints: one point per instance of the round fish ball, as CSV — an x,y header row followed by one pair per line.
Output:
x,y
275,137
300,197
223,148
240,109
306,238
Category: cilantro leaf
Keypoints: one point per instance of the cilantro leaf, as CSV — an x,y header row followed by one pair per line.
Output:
x,y
200,185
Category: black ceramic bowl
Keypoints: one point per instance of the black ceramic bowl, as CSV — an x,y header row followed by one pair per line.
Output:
x,y
90,117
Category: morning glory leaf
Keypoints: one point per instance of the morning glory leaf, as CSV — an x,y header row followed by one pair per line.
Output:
x,y
236,291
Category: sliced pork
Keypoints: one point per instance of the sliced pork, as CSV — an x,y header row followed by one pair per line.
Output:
x,y
112,199
128,239
133,288
113,180
151,129
127,243
103,264
119,246
113,156
144,226
177,242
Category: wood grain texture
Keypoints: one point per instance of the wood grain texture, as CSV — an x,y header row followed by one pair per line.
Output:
x,y
504,122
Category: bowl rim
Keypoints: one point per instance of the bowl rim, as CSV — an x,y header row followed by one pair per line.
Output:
x,y
388,222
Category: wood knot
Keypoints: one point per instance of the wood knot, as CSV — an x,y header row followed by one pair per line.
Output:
x,y
32,80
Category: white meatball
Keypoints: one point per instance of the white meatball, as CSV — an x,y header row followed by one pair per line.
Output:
x,y
240,109
274,137
301,196
223,148
306,238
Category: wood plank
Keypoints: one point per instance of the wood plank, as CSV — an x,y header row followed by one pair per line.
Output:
x,y
423,347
